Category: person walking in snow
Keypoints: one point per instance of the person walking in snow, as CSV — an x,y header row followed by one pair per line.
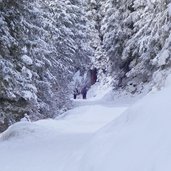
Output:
x,y
84,92
76,92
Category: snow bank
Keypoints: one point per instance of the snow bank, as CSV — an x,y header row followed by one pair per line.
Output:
x,y
138,140
18,130
52,144
98,91
27,60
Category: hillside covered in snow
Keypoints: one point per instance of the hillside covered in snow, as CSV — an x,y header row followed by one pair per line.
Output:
x,y
135,40
85,85
44,43
94,137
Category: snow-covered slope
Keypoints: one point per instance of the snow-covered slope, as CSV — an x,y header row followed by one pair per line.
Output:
x,y
42,44
138,140
53,144
94,137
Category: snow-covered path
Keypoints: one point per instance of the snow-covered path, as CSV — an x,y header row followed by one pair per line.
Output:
x,y
92,137
54,145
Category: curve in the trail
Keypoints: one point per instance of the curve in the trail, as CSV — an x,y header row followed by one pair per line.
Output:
x,y
52,144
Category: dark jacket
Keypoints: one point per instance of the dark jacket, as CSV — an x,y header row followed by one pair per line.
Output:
x,y
84,90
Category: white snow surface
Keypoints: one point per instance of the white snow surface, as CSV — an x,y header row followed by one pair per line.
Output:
x,y
51,144
169,9
27,60
94,137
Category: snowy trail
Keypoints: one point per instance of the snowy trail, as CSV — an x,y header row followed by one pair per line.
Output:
x,y
53,144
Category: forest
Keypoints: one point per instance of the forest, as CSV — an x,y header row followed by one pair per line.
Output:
x,y
45,42
90,77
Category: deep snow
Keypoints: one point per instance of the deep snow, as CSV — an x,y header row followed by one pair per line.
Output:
x,y
51,144
96,137
139,139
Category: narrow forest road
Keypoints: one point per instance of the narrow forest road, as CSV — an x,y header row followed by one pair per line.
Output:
x,y
54,145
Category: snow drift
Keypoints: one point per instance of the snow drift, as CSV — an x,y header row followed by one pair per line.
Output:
x,y
85,139
22,130
138,140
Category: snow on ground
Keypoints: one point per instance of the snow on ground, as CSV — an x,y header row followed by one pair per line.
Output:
x,y
51,144
139,139
103,94
95,136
